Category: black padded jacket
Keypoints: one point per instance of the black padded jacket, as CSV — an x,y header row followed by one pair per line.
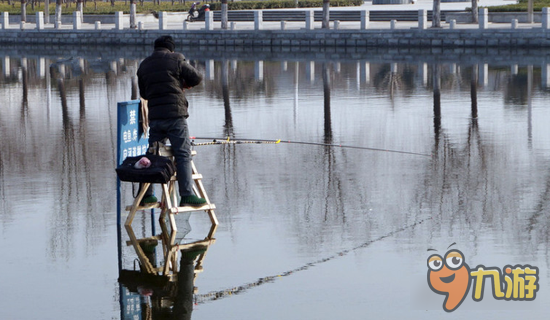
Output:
x,y
162,78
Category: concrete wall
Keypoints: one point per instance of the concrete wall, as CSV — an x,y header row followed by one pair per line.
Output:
x,y
466,56
532,38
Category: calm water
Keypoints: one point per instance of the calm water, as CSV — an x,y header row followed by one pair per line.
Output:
x,y
306,231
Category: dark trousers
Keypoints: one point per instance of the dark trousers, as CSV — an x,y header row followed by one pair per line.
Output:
x,y
177,132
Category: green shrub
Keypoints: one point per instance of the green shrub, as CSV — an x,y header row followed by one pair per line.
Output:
x,y
521,6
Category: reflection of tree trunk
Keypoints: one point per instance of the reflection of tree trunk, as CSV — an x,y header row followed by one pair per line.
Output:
x,y
333,182
296,80
437,100
228,126
3,185
541,209
82,98
529,106
83,144
24,78
473,91
326,94
69,162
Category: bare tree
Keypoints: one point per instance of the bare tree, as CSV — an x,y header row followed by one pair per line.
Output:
x,y
132,14
80,8
326,14
436,14
58,11
224,14
23,10
46,11
475,13
530,11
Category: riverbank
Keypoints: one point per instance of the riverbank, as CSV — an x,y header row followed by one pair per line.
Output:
x,y
346,34
357,31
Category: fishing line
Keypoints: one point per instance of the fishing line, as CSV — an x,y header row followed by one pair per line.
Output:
x,y
216,295
216,141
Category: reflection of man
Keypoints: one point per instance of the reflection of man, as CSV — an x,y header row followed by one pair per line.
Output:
x,y
162,78
183,304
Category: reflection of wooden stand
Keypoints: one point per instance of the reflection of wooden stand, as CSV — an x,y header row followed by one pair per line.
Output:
x,y
169,209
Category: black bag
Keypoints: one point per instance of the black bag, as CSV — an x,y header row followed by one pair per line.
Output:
x,y
160,171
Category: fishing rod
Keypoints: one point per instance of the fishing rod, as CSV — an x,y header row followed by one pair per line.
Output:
x,y
228,140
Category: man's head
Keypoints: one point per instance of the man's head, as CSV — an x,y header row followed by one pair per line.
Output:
x,y
165,42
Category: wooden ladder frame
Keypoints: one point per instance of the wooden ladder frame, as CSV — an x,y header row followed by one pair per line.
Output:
x,y
169,209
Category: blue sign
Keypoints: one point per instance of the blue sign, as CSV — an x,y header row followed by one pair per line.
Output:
x,y
131,140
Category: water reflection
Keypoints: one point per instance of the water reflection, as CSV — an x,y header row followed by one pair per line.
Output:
x,y
482,117
162,297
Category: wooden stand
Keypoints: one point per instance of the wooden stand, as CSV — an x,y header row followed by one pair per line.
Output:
x,y
169,209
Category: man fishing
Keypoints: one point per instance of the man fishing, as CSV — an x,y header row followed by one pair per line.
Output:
x,y
162,78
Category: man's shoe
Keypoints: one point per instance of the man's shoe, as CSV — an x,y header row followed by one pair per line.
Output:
x,y
192,253
148,200
192,201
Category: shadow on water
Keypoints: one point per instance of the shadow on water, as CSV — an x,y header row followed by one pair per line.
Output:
x,y
472,185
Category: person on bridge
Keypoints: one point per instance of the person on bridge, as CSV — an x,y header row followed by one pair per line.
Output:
x,y
162,79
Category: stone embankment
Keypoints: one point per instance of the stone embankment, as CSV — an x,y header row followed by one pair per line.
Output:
x,y
79,30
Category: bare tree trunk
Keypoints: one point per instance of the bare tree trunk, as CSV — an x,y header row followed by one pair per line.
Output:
x,y
475,12
132,14
326,14
224,14
23,10
80,8
58,11
436,14
530,11
46,11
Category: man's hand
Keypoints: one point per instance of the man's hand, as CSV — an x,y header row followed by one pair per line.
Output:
x,y
184,85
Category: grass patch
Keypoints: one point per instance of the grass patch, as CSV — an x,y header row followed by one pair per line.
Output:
x,y
100,7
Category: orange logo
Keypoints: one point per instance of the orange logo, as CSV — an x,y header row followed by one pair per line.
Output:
x,y
450,276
